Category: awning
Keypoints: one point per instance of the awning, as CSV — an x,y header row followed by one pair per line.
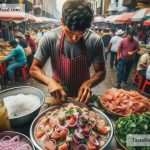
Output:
x,y
140,14
147,22
10,16
125,17
30,17
113,19
98,19
107,19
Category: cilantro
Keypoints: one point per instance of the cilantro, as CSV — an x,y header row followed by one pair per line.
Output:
x,y
94,98
55,114
79,111
69,112
84,140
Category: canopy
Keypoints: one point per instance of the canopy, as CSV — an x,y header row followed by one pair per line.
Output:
x,y
107,19
10,16
147,16
123,18
30,17
98,19
140,14
114,18
147,23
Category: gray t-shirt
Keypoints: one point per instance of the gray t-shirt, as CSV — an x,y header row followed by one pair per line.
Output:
x,y
49,45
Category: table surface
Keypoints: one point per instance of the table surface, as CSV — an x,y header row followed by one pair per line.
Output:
x,y
113,145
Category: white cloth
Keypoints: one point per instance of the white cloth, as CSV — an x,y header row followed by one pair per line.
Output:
x,y
148,73
115,41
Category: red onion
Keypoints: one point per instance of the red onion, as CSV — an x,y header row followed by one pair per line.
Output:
x,y
76,140
8,143
94,142
73,124
53,148
78,134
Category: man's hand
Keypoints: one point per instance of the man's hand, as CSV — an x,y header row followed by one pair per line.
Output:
x,y
57,90
85,92
118,58
130,53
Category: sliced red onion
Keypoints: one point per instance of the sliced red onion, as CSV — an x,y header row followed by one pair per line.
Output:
x,y
82,147
43,138
76,141
78,134
93,121
94,142
53,148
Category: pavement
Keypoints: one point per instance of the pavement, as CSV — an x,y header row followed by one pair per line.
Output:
x,y
99,89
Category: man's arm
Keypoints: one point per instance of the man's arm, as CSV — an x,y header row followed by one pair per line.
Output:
x,y
109,46
55,88
84,94
10,56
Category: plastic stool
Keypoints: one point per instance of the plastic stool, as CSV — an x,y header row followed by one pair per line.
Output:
x,y
140,77
146,83
24,70
2,71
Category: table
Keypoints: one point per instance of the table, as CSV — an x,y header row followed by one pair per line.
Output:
x,y
113,145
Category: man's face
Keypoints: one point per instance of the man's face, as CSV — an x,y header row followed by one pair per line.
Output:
x,y
130,37
73,36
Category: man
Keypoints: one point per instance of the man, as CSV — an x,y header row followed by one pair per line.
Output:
x,y
126,53
30,42
72,49
143,63
113,46
21,41
19,59
106,37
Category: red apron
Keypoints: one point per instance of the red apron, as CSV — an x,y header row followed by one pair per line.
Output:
x,y
71,72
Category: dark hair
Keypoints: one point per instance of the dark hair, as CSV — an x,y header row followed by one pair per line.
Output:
x,y
131,32
77,15
13,42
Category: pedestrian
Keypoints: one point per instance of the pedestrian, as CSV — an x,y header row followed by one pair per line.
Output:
x,y
113,46
143,63
72,49
106,37
20,60
125,55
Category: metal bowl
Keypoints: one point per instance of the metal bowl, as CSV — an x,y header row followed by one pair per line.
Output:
x,y
57,107
12,134
26,119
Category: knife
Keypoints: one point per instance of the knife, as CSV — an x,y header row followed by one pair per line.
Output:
x,y
76,102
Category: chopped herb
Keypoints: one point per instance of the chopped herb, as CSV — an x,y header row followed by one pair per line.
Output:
x,y
84,140
79,111
55,114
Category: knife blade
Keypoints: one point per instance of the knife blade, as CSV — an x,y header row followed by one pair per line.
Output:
x,y
76,102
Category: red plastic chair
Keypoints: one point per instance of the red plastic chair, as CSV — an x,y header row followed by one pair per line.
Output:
x,y
1,69
140,79
146,83
24,70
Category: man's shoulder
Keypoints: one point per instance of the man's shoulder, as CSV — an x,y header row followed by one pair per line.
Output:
x,y
53,34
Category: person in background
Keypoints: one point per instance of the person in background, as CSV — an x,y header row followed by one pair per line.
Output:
x,y
20,60
1,33
125,55
113,46
30,42
143,63
106,37
21,40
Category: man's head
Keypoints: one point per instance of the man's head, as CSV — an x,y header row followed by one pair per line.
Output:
x,y
13,43
19,36
27,35
130,35
77,16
